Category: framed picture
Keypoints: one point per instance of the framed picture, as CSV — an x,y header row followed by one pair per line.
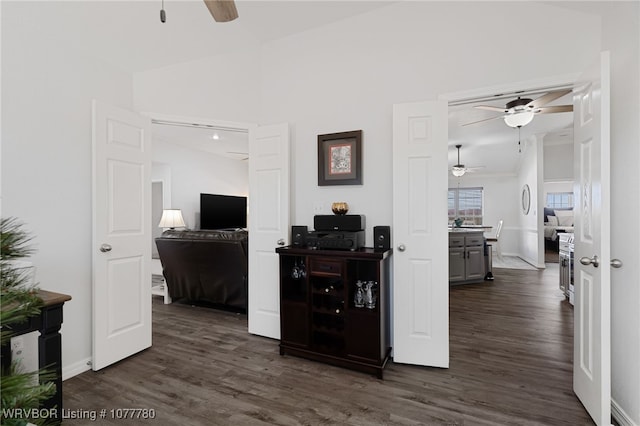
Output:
x,y
340,158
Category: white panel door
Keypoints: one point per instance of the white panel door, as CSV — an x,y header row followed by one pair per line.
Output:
x,y
592,280
268,224
421,262
121,234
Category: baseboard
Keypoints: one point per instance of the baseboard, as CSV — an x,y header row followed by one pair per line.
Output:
x,y
620,415
76,368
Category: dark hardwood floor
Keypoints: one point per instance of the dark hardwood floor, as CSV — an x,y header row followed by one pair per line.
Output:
x,y
511,364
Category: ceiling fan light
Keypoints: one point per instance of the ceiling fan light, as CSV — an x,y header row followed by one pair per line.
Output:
x,y
458,171
518,119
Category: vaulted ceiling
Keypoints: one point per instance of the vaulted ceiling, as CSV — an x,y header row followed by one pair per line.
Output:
x,y
130,36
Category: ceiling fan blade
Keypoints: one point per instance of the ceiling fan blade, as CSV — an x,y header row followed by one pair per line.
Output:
x,y
545,99
222,10
481,121
490,108
474,169
556,108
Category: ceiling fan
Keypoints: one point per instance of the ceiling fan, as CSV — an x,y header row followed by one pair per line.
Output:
x,y
459,169
519,112
222,10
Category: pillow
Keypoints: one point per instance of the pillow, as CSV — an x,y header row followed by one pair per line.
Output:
x,y
565,220
552,220
563,213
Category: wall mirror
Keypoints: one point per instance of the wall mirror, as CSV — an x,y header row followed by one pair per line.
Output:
x,y
526,199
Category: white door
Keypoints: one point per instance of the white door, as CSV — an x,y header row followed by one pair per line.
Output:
x,y
592,334
421,249
121,234
268,224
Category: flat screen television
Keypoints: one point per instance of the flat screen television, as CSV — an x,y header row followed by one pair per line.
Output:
x,y
222,211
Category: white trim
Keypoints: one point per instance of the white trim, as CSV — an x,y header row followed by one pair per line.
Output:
x,y
76,368
232,125
620,415
541,84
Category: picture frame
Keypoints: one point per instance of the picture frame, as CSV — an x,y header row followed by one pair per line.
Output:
x,y
340,158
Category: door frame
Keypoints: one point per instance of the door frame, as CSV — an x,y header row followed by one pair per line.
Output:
x,y
564,81
187,120
546,83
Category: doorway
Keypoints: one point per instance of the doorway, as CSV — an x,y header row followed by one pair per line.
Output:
x,y
200,156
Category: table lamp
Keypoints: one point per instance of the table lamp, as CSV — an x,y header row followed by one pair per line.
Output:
x,y
172,219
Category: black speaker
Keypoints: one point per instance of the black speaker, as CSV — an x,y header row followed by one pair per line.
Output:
x,y
382,237
334,222
299,236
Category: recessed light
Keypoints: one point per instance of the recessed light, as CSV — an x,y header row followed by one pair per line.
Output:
x,y
215,137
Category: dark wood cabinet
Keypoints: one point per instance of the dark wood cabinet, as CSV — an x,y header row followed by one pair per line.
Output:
x,y
319,316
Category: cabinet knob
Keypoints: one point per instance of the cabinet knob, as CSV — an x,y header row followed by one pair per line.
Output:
x,y
281,242
616,263
401,247
105,248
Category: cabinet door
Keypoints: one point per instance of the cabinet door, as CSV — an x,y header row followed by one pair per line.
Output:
x,y
294,293
294,324
474,263
456,264
363,335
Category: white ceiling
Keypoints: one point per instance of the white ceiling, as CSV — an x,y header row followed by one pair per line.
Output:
x,y
129,35
228,143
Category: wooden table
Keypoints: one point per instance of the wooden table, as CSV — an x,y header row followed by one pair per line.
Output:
x,y
48,323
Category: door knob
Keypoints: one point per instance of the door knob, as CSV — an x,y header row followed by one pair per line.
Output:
x,y
105,248
616,263
401,247
590,261
281,242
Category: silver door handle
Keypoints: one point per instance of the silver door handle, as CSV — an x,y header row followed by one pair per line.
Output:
x,y
401,247
616,263
281,242
590,261
105,248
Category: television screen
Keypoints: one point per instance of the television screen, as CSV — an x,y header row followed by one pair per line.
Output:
x,y
222,211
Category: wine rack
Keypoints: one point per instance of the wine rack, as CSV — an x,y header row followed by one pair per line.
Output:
x,y
321,317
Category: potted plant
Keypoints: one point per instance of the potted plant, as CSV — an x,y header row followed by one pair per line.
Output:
x,y
21,392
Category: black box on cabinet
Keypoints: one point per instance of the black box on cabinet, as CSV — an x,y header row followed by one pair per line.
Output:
x,y
334,222
299,236
382,237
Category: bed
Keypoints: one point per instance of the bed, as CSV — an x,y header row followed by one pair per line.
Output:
x,y
556,221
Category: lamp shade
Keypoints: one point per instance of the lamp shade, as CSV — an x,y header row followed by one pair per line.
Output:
x,y
458,170
518,119
171,218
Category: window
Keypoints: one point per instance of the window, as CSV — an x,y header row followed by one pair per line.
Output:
x,y
465,203
559,200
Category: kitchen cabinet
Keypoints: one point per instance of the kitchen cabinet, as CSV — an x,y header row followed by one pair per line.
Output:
x,y
466,257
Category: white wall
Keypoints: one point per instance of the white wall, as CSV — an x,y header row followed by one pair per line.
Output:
x,y
194,172
558,161
223,87
348,75
501,195
46,160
